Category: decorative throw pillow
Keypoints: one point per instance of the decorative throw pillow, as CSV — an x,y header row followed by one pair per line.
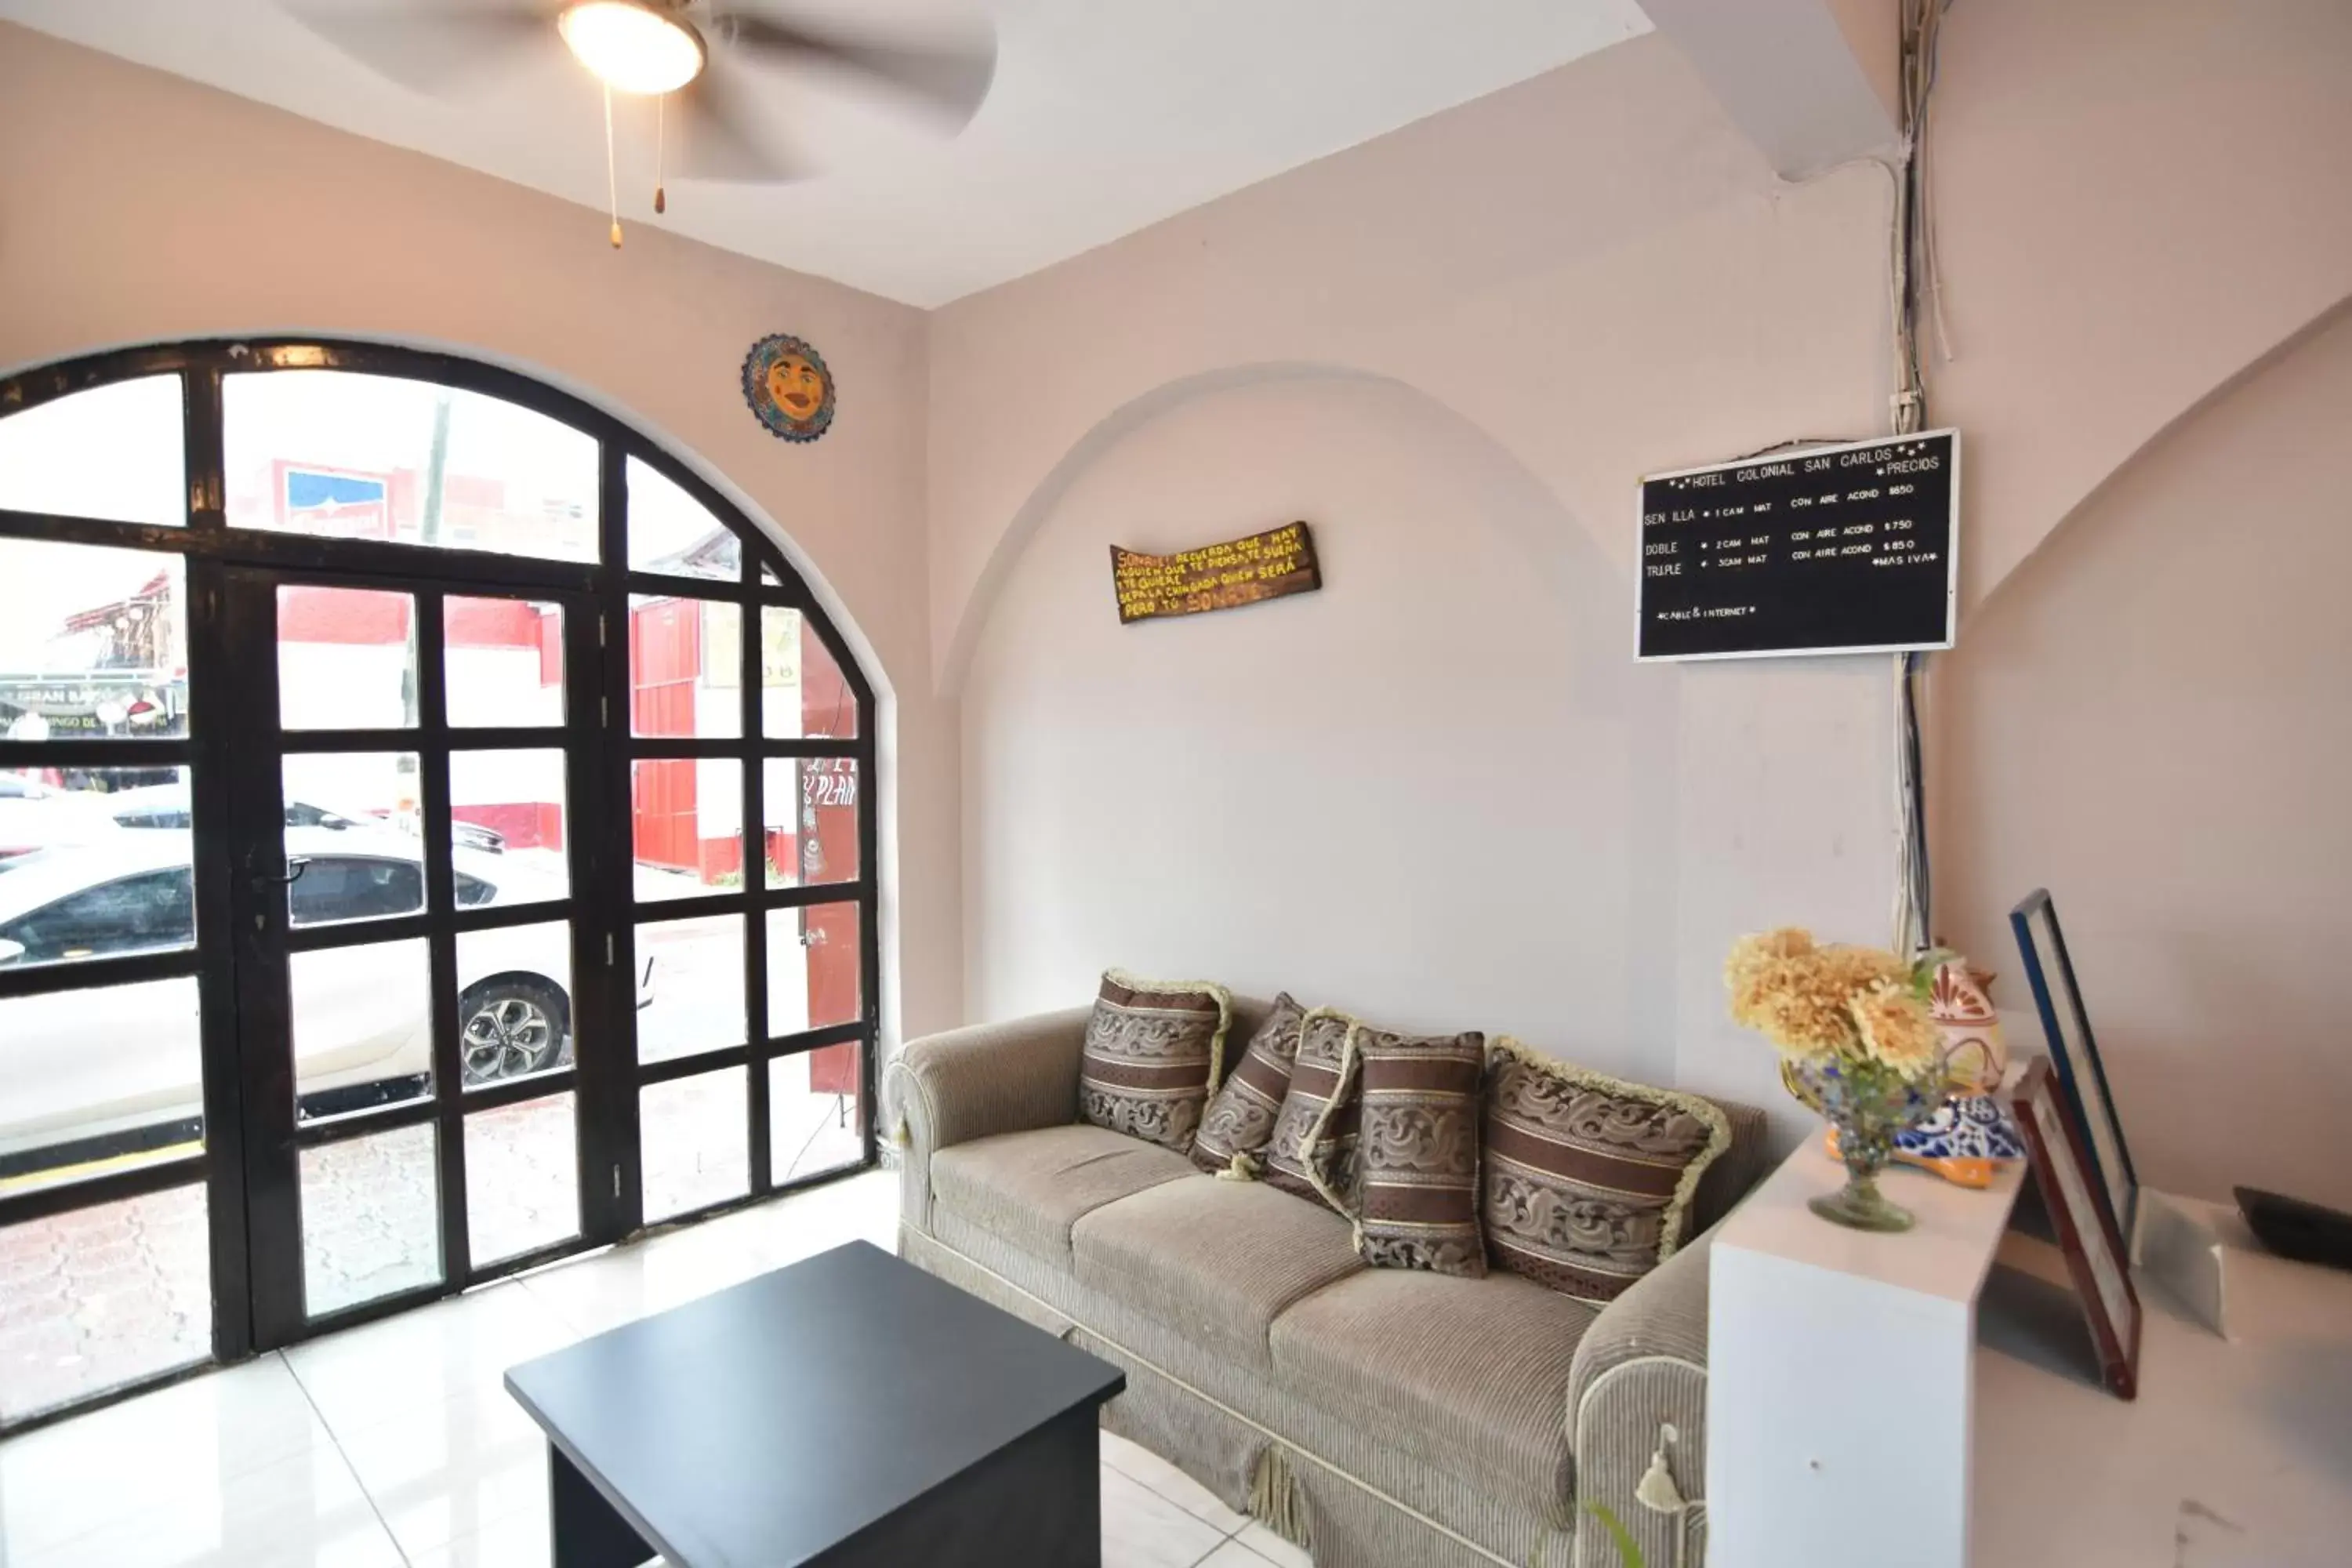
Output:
x,y
1418,1152
1313,1150
1153,1052
1590,1179
1240,1121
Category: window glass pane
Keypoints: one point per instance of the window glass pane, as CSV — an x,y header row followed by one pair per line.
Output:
x,y
371,1217
99,1296
363,1027
817,1112
673,534
346,659
802,693
684,667
687,819
105,898
95,1080
504,661
691,995
369,456
140,798
696,1141
522,1180
506,826
514,1001
331,888
351,833
815,975
811,805
112,452
93,643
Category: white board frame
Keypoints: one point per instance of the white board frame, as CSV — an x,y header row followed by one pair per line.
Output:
x,y
1951,564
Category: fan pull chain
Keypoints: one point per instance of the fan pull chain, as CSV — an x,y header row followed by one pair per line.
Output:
x,y
612,179
661,198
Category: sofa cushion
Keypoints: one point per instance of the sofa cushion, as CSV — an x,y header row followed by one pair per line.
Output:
x,y
1590,1180
1213,1260
1468,1376
1312,1152
1418,1152
1240,1121
1153,1052
1031,1187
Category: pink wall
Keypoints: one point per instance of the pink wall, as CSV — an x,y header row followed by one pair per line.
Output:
x,y
2149,717
1593,276
151,208
1328,794
2136,201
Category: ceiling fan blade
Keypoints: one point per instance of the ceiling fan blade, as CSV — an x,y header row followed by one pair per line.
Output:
x,y
720,140
437,46
952,78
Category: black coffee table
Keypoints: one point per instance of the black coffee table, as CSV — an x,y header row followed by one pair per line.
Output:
x,y
846,1410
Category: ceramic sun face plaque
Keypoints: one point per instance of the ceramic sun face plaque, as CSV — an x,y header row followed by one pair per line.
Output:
x,y
787,384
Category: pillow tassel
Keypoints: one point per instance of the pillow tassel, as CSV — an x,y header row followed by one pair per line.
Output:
x,y
1275,1500
1657,1490
1242,1167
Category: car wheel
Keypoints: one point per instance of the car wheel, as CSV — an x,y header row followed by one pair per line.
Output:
x,y
509,1028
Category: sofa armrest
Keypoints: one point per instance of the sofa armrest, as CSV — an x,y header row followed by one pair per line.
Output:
x,y
975,1082
1641,1367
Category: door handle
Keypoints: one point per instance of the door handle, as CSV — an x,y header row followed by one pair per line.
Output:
x,y
295,866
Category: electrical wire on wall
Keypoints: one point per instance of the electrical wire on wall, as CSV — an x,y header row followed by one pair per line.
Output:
x,y
1917,274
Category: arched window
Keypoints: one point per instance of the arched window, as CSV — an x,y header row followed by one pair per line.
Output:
x,y
433,838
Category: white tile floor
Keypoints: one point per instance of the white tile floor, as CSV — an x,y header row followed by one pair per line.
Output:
x,y
394,1445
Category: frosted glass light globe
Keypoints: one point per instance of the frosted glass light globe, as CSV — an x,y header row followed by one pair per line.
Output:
x,y
630,46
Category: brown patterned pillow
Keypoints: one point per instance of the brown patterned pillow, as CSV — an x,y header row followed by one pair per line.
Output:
x,y
1418,1152
1240,1121
1153,1051
1588,1178
1313,1150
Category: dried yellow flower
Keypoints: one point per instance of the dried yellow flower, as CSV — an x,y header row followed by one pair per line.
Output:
x,y
1853,969
1780,988
1839,1001
1897,1029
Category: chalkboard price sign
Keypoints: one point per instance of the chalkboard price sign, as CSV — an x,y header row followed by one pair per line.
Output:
x,y
1850,549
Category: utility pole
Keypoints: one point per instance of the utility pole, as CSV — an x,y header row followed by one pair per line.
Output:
x,y
436,469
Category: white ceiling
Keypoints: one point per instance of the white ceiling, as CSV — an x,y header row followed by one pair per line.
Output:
x,y
1106,115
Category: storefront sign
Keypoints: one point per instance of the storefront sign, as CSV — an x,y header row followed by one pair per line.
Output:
x,y
1267,565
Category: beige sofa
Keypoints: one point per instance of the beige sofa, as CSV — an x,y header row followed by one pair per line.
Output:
x,y
1383,1418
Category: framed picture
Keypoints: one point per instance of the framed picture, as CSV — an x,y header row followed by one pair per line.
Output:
x,y
2086,1232
2075,1054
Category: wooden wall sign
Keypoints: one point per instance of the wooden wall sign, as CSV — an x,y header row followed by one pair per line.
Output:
x,y
1268,565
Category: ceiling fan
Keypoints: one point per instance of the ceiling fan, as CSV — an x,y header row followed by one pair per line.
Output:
x,y
715,59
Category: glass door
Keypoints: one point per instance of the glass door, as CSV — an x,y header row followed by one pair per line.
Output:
x,y
419,975
434,835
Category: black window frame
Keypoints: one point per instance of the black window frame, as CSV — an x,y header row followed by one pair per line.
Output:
x,y
210,550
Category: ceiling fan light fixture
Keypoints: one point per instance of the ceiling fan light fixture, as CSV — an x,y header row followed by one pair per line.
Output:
x,y
632,46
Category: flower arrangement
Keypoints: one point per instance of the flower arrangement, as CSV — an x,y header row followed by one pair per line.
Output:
x,y
1858,1043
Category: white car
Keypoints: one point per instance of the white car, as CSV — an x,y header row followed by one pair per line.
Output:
x,y
167,805
97,1070
34,815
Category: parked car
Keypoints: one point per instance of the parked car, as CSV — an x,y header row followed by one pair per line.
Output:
x,y
35,816
167,805
100,1069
